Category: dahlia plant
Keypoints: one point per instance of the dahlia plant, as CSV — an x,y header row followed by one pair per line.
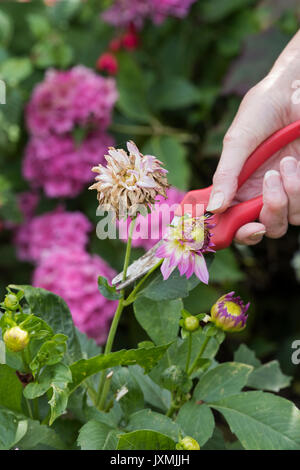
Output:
x,y
169,393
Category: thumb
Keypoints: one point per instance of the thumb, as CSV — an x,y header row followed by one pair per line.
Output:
x,y
253,123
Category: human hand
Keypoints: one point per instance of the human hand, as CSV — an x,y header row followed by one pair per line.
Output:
x,y
266,108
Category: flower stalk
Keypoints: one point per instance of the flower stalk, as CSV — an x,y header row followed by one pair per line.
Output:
x,y
103,390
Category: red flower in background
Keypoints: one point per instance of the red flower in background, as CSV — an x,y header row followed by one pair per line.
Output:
x,y
107,62
130,40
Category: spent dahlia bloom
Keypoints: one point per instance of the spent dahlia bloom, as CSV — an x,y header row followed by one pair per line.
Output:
x,y
129,180
56,229
229,313
68,98
60,167
149,229
73,275
183,247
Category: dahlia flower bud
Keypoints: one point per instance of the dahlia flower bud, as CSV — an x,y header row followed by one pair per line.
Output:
x,y
129,180
229,313
188,443
191,323
11,302
16,339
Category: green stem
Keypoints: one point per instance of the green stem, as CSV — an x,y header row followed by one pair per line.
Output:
x,y
36,409
132,296
106,388
29,408
194,365
171,410
102,391
188,359
156,129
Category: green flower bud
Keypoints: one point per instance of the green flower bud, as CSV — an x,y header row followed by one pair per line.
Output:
x,y
191,323
11,301
16,339
188,443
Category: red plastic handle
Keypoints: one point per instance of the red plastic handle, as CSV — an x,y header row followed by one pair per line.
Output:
x,y
233,218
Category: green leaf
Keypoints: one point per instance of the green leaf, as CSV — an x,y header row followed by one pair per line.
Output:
x,y
175,378
225,267
12,429
155,395
40,435
246,356
269,377
219,10
15,69
159,319
132,90
51,352
173,154
147,358
173,288
148,419
216,442
145,440
262,421
133,400
264,376
56,378
196,420
222,381
56,313
11,389
5,28
109,292
175,92
97,436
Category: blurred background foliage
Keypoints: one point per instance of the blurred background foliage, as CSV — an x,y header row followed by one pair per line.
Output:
x,y
178,93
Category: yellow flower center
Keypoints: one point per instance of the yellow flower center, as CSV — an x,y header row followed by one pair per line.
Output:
x,y
232,308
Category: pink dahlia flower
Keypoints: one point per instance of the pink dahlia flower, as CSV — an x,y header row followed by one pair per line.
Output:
x,y
183,247
73,275
68,98
151,228
59,167
56,229
126,12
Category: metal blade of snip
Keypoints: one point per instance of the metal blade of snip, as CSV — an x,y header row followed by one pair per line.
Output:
x,y
142,265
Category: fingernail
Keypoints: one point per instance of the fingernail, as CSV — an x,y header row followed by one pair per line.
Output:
x,y
257,235
272,179
216,201
289,166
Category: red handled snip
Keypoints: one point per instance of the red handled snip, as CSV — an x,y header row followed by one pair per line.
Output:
x,y
233,218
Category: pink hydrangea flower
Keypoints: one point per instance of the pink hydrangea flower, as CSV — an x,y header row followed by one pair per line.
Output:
x,y
164,8
150,229
126,12
183,247
67,98
56,229
73,274
59,167
28,201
